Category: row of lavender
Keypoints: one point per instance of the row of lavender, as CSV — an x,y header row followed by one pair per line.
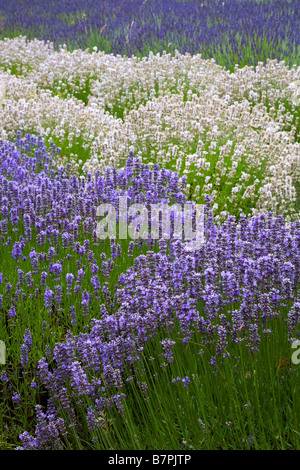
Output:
x,y
229,29
231,291
234,135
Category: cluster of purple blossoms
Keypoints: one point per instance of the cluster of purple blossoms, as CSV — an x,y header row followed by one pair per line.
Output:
x,y
26,347
246,274
254,264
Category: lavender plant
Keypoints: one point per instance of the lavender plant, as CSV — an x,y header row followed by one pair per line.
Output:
x,y
91,330
231,31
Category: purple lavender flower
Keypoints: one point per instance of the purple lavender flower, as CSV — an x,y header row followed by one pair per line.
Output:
x,y
12,312
73,314
4,377
17,251
44,275
27,338
250,440
86,299
48,296
24,355
20,276
16,397
69,279
8,288
91,419
167,345
186,381
56,268
58,296
29,280
178,379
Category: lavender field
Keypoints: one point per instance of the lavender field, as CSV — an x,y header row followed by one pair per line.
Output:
x,y
131,341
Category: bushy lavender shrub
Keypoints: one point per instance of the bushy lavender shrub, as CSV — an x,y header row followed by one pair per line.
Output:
x,y
213,28
228,292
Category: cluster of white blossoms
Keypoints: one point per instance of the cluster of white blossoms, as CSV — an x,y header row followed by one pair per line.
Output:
x,y
185,113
